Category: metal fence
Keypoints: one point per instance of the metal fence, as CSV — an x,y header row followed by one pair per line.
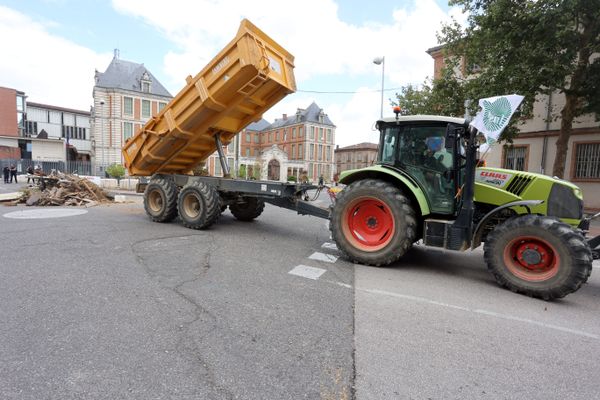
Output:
x,y
71,167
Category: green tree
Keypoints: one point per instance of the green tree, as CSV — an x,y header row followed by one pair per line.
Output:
x,y
242,171
442,96
532,47
115,170
256,171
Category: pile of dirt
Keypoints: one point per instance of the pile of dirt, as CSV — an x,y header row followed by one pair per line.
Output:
x,y
65,190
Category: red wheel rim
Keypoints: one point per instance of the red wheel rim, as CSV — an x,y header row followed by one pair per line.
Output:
x,y
369,224
531,259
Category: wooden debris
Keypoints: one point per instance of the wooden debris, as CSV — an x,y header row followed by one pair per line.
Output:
x,y
11,196
65,190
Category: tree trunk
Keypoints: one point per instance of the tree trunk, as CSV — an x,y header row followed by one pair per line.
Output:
x,y
572,106
562,144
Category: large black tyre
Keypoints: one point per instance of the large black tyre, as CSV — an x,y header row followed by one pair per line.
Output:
x,y
248,209
160,199
538,256
373,223
199,205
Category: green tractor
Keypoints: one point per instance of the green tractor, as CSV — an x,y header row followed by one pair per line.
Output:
x,y
426,185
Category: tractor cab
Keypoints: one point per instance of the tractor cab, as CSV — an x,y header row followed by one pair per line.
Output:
x,y
427,150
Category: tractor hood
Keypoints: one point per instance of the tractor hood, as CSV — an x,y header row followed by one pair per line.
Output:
x,y
562,199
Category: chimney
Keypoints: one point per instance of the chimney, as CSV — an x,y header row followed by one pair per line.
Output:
x,y
284,117
116,54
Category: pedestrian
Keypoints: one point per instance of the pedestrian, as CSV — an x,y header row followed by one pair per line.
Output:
x,y
336,179
321,180
6,172
13,173
29,174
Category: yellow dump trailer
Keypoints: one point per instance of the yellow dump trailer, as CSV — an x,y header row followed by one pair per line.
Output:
x,y
244,80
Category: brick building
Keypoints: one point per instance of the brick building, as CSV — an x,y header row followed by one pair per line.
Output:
x,y
296,145
12,114
356,156
293,145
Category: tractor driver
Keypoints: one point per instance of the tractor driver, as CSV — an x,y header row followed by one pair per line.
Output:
x,y
436,156
438,159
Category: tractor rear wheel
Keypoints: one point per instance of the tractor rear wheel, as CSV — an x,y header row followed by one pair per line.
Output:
x,y
373,223
160,199
538,256
247,210
199,205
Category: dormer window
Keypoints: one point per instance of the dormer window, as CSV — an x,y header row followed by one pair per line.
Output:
x,y
146,82
321,116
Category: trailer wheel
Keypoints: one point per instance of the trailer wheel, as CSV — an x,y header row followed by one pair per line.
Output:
x,y
199,205
247,210
538,256
373,223
160,199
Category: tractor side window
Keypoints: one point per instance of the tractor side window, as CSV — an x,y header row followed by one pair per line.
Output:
x,y
388,149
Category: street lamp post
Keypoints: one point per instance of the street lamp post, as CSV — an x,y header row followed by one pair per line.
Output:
x,y
103,137
381,61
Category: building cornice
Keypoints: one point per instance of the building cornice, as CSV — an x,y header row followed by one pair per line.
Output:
x,y
56,108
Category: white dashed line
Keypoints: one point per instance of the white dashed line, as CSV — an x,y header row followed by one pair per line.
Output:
x,y
307,272
330,246
323,257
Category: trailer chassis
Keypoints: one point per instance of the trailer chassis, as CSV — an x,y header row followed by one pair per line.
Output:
x,y
293,196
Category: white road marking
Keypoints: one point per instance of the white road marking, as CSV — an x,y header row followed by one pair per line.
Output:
x,y
473,310
307,272
330,246
323,257
482,312
39,213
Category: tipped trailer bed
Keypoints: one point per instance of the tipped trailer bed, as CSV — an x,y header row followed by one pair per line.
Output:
x,y
244,80
236,87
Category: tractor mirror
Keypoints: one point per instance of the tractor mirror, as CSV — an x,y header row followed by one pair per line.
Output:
x,y
452,131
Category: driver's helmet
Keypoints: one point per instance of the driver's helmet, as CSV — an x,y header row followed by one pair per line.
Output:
x,y
434,143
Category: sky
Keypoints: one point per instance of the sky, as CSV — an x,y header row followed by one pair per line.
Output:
x,y
51,48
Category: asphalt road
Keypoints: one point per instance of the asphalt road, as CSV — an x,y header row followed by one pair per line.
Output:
x,y
107,305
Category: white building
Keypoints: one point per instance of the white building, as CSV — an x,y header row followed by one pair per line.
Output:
x,y
57,133
126,95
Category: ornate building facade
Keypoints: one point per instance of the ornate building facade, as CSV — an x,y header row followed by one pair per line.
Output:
x,y
299,145
126,95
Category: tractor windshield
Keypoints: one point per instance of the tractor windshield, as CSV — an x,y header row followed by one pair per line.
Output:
x,y
422,151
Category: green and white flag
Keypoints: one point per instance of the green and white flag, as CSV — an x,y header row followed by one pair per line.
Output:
x,y
495,113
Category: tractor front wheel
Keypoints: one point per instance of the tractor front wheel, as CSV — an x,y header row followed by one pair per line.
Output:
x,y
373,223
538,256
